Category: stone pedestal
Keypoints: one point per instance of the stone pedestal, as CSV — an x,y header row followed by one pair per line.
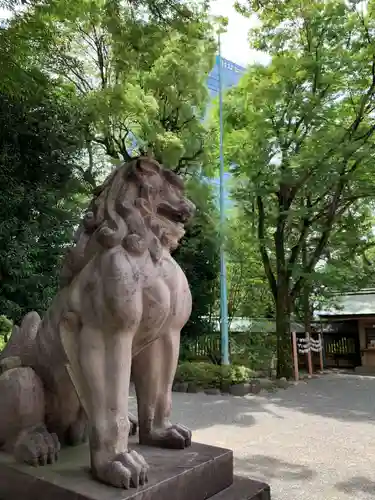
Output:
x,y
197,473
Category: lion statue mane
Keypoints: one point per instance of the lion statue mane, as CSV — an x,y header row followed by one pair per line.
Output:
x,y
128,209
122,303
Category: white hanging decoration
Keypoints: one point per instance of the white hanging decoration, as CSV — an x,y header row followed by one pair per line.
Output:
x,y
308,344
315,345
303,345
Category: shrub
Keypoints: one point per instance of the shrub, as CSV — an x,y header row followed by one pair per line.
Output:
x,y
253,349
5,330
208,375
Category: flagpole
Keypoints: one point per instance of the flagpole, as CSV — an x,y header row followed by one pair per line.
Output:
x,y
223,271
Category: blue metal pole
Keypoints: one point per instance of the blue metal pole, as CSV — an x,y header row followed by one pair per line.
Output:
x,y
223,271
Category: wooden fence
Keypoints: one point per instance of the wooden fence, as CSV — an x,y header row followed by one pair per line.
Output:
x,y
204,347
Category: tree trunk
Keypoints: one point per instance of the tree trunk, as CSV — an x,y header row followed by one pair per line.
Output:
x,y
283,303
280,288
306,295
284,346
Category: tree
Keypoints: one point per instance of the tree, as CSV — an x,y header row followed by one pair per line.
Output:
x,y
40,145
300,132
161,10
140,81
248,291
135,73
198,255
345,265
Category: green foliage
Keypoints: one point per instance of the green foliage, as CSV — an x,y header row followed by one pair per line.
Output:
x,y
207,375
256,350
6,326
127,77
346,264
301,135
198,255
248,291
140,82
39,146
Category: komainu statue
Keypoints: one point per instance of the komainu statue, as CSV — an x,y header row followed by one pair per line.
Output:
x,y
119,311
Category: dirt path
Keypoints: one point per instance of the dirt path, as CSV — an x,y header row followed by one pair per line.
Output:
x,y
314,441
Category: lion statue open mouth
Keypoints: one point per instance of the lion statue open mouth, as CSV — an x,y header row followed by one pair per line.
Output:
x,y
120,309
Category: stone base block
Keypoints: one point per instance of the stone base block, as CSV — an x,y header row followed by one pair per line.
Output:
x,y
245,489
196,473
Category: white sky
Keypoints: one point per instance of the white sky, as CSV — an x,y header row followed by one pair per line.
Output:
x,y
235,45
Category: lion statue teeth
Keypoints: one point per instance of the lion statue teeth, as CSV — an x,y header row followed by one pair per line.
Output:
x,y
122,303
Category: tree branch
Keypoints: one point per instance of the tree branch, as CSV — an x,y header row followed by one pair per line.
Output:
x,y
331,215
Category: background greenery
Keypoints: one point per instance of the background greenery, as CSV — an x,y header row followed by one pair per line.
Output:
x,y
86,85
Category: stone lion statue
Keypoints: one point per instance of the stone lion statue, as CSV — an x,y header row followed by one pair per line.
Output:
x,y
121,306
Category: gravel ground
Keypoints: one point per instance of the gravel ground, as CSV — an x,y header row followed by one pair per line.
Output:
x,y
313,441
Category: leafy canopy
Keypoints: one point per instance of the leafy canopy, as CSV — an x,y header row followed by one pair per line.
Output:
x,y
140,81
39,146
102,81
300,133
198,255
301,130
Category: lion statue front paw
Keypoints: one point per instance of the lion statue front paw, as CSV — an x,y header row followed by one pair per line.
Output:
x,y
127,470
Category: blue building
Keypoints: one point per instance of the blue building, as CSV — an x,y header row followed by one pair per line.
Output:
x,y
230,74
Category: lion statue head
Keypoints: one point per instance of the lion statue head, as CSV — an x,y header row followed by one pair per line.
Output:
x,y
141,206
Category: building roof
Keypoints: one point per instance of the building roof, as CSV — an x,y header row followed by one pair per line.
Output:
x,y
257,325
360,303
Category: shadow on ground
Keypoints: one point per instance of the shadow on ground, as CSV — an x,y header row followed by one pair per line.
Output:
x,y
340,396
199,411
357,485
268,468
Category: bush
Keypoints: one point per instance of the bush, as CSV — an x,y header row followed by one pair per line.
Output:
x,y
253,349
6,326
208,375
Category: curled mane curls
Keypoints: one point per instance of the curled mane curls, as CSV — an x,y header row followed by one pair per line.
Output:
x,y
121,213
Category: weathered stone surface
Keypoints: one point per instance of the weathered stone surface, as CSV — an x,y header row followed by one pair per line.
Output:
x,y
212,391
194,388
225,387
119,310
266,383
21,393
9,363
196,473
239,389
245,489
180,387
282,383
255,387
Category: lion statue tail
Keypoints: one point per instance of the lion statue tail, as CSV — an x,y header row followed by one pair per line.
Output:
x,y
22,338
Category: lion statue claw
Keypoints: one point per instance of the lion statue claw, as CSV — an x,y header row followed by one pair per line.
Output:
x,y
121,306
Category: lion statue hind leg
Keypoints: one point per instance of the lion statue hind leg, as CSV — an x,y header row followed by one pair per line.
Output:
x,y
22,429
